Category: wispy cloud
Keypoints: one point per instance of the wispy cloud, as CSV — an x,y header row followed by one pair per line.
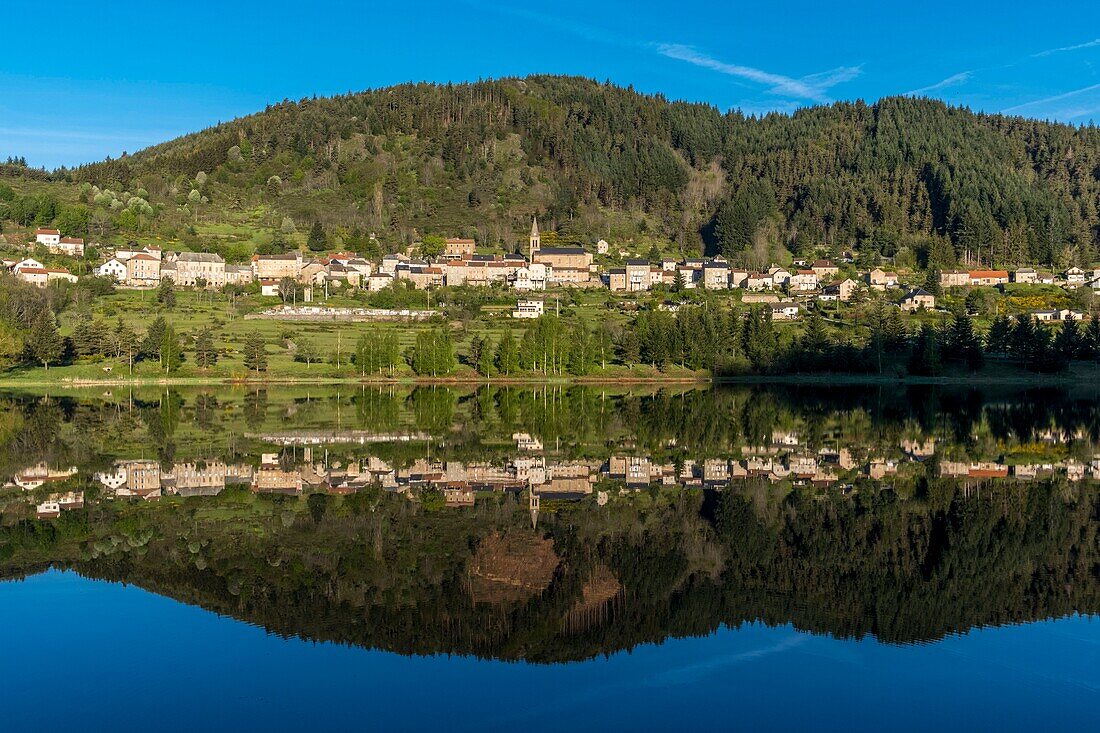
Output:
x,y
954,80
1079,105
1064,49
45,133
697,670
812,87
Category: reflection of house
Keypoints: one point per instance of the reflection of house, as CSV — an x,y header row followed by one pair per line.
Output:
x,y
48,510
977,469
199,479
525,441
40,474
271,479
530,308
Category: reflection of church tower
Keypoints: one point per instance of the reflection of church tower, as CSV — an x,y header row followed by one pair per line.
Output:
x,y
533,504
535,240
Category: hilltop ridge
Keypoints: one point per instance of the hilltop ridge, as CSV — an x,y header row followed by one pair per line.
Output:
x,y
594,159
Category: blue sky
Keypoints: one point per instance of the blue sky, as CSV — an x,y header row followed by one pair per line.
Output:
x,y
96,79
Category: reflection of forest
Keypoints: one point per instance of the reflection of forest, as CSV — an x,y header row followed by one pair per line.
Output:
x,y
373,569
326,515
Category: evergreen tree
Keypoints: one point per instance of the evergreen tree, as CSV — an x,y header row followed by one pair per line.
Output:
x,y
926,360
816,339
154,339
1070,344
629,348
206,355
45,342
1092,338
998,340
125,344
166,293
960,341
318,241
255,353
477,345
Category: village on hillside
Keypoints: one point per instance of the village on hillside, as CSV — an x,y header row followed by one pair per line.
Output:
x,y
784,291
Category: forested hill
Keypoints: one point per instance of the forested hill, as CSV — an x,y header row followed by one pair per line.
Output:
x,y
595,160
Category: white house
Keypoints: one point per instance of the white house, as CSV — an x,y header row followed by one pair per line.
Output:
x,y
72,246
529,309
47,237
114,269
531,277
28,264
784,311
1075,276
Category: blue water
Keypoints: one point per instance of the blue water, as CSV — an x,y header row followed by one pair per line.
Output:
x,y
80,655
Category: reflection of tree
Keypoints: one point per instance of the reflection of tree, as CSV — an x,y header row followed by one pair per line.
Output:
x,y
433,408
373,570
255,408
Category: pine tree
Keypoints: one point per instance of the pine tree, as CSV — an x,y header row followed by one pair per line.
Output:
x,y
255,353
1092,338
1069,343
477,345
997,341
166,293
629,347
206,355
816,339
317,241
154,337
45,342
125,343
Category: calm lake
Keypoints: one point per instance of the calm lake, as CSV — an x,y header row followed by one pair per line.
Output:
x,y
592,558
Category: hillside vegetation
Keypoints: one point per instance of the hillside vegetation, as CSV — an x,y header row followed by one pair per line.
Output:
x,y
907,177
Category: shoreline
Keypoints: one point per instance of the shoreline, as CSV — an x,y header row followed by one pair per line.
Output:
x,y
702,380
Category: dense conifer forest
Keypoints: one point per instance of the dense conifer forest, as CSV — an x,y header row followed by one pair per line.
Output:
x,y
903,174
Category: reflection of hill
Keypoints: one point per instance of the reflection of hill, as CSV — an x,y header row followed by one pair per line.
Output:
x,y
511,568
595,580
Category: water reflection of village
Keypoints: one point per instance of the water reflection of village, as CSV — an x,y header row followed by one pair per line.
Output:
x,y
318,462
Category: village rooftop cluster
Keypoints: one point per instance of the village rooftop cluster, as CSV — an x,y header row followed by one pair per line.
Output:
x,y
783,458
782,289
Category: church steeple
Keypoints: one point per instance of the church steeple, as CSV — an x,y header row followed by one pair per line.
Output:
x,y
535,239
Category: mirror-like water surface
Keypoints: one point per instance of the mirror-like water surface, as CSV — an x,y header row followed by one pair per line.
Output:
x,y
582,556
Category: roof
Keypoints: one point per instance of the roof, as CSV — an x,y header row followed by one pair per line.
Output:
x,y
32,271
534,226
199,257
47,231
459,240
988,273
638,263
823,263
918,292
143,256
291,256
561,251
72,240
